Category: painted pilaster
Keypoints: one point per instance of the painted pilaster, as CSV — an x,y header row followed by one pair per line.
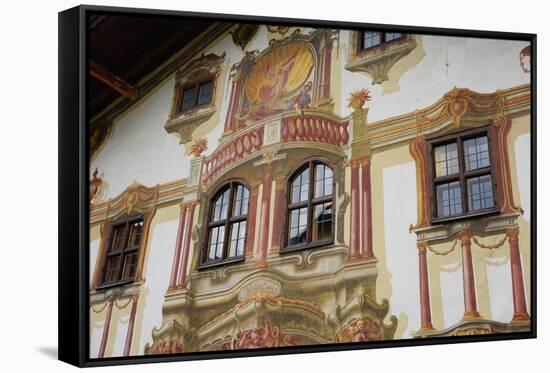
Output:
x,y
178,247
355,225
182,277
470,301
264,217
131,325
425,304
278,212
251,224
366,207
518,289
106,327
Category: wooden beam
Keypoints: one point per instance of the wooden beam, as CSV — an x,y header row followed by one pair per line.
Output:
x,y
112,80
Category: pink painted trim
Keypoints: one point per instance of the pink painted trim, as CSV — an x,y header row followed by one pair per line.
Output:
x,y
177,249
355,226
367,211
106,327
131,323
425,306
264,218
470,302
186,245
518,289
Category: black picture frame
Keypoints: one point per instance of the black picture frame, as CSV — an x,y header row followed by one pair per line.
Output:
x,y
74,187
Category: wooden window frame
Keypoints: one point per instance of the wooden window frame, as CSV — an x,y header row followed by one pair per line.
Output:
x,y
462,176
227,222
122,253
310,203
196,85
383,42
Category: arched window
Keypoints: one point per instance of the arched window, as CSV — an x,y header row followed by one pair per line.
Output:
x,y
310,207
226,233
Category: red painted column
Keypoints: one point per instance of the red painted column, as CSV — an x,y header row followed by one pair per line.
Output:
x,y
251,224
177,249
182,277
470,302
366,205
106,327
520,305
264,217
131,323
425,305
355,226
278,212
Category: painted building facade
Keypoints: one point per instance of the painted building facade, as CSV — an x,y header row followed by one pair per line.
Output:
x,y
294,186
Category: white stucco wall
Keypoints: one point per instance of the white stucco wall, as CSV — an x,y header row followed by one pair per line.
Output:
x,y
401,252
482,65
157,277
94,249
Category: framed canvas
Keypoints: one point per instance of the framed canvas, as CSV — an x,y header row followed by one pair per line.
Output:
x,y
234,186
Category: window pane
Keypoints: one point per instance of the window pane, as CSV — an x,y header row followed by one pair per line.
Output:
x,y
298,226
117,238
393,35
215,243
480,193
136,231
322,222
238,234
111,269
476,152
371,39
205,93
300,187
189,97
323,181
449,200
240,206
220,206
130,262
446,159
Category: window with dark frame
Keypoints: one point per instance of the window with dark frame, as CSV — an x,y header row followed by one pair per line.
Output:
x,y
370,39
227,218
463,177
121,257
310,212
196,95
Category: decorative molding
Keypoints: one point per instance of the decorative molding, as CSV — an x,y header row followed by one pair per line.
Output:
x,y
419,151
167,193
378,61
96,186
243,33
204,68
475,327
500,154
313,126
459,107
232,151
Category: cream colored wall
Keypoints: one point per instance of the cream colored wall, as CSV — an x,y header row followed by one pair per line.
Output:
x,y
482,65
393,176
